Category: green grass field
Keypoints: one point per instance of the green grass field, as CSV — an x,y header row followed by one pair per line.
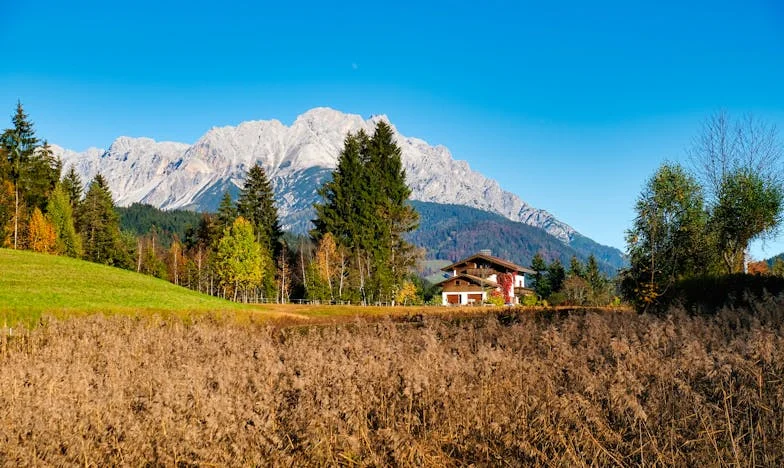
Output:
x,y
35,285
32,285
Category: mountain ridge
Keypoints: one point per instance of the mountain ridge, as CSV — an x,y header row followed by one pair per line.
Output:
x,y
297,158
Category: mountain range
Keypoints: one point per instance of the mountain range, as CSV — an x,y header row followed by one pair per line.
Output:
x,y
297,159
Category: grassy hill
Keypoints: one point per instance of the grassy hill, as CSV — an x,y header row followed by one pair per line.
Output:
x,y
33,284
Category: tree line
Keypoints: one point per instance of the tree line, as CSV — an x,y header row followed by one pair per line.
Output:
x,y
356,252
579,285
699,220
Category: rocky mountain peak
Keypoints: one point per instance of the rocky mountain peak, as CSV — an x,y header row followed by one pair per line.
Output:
x,y
297,158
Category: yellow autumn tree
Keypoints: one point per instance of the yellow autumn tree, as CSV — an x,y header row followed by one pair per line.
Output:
x,y
407,293
41,235
325,258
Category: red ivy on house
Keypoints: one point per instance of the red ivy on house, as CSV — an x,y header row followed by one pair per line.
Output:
x,y
506,281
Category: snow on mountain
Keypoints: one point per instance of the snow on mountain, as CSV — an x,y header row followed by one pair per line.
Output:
x,y
297,159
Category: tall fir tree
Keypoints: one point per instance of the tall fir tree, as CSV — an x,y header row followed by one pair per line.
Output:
x,y
19,146
227,213
256,204
72,185
365,209
100,226
541,285
576,268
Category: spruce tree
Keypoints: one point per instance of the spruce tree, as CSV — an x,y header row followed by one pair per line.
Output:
x,y
100,226
365,209
72,185
256,204
556,274
19,145
39,177
227,213
541,285
576,268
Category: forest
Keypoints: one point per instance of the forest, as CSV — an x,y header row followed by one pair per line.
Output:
x,y
357,251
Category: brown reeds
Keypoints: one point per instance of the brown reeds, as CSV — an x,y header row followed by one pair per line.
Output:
x,y
568,390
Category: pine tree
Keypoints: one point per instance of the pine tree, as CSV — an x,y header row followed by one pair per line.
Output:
x,y
41,175
72,185
60,214
365,209
597,282
394,215
19,144
227,214
100,226
576,268
556,274
541,285
256,203
345,210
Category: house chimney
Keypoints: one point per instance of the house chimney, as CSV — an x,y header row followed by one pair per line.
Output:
x,y
487,252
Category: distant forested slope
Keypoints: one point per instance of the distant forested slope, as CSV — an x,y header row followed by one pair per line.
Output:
x,y
452,232
139,220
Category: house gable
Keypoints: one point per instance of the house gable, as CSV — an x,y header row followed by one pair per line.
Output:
x,y
483,265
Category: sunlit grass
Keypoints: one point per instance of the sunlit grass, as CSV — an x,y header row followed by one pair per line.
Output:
x,y
34,285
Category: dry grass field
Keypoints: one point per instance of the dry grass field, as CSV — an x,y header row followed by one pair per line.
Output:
x,y
521,389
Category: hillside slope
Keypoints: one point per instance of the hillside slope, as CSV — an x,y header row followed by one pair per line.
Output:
x,y
32,284
452,232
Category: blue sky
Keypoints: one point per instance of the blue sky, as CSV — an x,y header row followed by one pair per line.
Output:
x,y
571,105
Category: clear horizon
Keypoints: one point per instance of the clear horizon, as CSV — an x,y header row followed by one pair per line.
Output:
x,y
570,107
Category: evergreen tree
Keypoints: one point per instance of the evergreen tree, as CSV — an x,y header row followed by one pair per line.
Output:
x,y
556,274
100,226
41,175
60,214
593,275
365,209
19,145
393,215
576,268
226,215
256,203
72,185
345,210
541,285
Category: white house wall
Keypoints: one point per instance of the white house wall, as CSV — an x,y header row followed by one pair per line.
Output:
x,y
463,297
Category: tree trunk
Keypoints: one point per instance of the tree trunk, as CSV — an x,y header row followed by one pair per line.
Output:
x,y
16,214
139,260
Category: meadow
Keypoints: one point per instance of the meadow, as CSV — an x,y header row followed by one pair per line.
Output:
x,y
510,389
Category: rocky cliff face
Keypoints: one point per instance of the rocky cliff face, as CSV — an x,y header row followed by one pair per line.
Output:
x,y
297,159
